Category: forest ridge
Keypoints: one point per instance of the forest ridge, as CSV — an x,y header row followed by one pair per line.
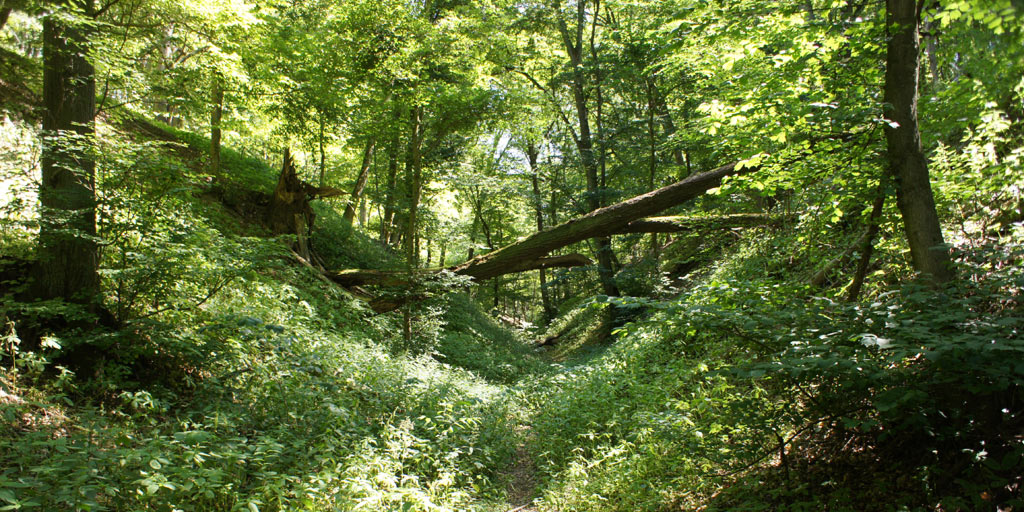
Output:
x,y
486,255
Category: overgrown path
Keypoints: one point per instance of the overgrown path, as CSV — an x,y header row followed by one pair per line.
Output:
x,y
522,474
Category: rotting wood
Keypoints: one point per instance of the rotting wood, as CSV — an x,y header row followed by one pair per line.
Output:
x,y
291,200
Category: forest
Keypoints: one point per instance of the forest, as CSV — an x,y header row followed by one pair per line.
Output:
x,y
511,255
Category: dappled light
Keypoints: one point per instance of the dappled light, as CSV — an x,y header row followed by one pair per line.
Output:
x,y
511,256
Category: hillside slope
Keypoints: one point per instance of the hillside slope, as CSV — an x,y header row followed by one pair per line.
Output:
x,y
235,378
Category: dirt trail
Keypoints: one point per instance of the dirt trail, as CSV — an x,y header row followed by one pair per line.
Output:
x,y
522,475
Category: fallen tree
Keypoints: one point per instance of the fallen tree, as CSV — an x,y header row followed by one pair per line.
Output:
x,y
599,222
361,277
531,252
290,211
672,224
677,224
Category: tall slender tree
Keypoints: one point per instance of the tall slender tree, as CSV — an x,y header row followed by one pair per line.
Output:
x,y
572,40
907,162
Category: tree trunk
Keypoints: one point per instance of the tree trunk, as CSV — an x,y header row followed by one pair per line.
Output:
x,y
414,177
323,154
933,56
290,211
5,12
668,126
677,224
595,223
216,114
652,156
584,142
289,200
68,251
538,206
529,253
869,246
361,277
364,174
387,221
474,227
907,163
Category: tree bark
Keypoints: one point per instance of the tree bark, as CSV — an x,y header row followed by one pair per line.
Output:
x,y
323,154
68,251
290,211
364,174
529,253
932,50
387,221
907,163
538,206
5,13
362,277
668,126
869,246
475,226
681,224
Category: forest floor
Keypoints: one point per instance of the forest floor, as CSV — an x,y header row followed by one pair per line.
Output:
x,y
522,474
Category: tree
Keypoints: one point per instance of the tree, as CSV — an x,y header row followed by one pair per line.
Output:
x,y
907,162
68,251
216,116
538,207
572,39
364,174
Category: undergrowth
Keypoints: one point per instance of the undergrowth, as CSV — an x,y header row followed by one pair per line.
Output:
x,y
236,379
754,394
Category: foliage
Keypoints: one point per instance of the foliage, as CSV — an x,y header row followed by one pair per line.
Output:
x,y
216,372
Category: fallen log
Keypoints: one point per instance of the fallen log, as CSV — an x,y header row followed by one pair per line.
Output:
x,y
361,277
566,261
596,223
677,224
530,253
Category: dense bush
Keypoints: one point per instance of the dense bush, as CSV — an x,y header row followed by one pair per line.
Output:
x,y
233,379
758,397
